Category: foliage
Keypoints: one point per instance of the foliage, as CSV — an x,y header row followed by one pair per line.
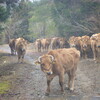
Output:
x,y
5,8
49,18
3,17
3,14
77,17
17,25
41,23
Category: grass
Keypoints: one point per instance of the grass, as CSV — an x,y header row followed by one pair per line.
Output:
x,y
4,87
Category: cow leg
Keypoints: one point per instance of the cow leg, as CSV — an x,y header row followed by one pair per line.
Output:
x,y
22,58
98,56
49,79
68,87
39,50
85,55
72,83
61,82
19,58
11,52
94,53
82,54
15,52
72,78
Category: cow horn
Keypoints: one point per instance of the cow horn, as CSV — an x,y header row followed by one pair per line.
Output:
x,y
39,59
52,57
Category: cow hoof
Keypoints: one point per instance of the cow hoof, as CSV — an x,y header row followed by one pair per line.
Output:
x,y
67,88
46,94
71,90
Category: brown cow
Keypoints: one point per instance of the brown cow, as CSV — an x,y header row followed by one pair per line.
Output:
x,y
12,46
37,45
59,42
63,43
47,44
55,44
75,42
85,45
57,63
72,41
43,42
95,45
21,48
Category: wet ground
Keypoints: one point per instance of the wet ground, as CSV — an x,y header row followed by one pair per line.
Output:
x,y
28,82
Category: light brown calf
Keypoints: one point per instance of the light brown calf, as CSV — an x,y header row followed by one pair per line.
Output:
x,y
37,45
63,43
95,45
57,63
43,43
21,48
85,45
47,44
75,42
55,44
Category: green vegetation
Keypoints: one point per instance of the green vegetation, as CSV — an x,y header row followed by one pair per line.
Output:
x,y
4,87
77,17
49,18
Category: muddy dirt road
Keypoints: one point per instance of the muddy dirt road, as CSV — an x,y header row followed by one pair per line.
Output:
x,y
28,82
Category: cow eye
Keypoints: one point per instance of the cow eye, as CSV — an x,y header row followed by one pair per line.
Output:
x,y
42,64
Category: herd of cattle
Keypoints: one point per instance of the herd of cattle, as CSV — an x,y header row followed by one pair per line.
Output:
x,y
60,59
84,44
50,43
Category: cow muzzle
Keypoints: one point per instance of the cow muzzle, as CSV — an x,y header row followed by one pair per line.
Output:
x,y
84,46
73,46
23,50
49,73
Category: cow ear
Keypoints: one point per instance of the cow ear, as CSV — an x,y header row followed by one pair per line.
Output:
x,y
37,62
54,61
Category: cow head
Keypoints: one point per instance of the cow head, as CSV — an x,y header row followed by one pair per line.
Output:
x,y
85,41
22,47
72,41
46,62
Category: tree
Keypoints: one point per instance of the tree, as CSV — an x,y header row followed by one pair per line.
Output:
x,y
6,7
76,17
17,25
41,23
